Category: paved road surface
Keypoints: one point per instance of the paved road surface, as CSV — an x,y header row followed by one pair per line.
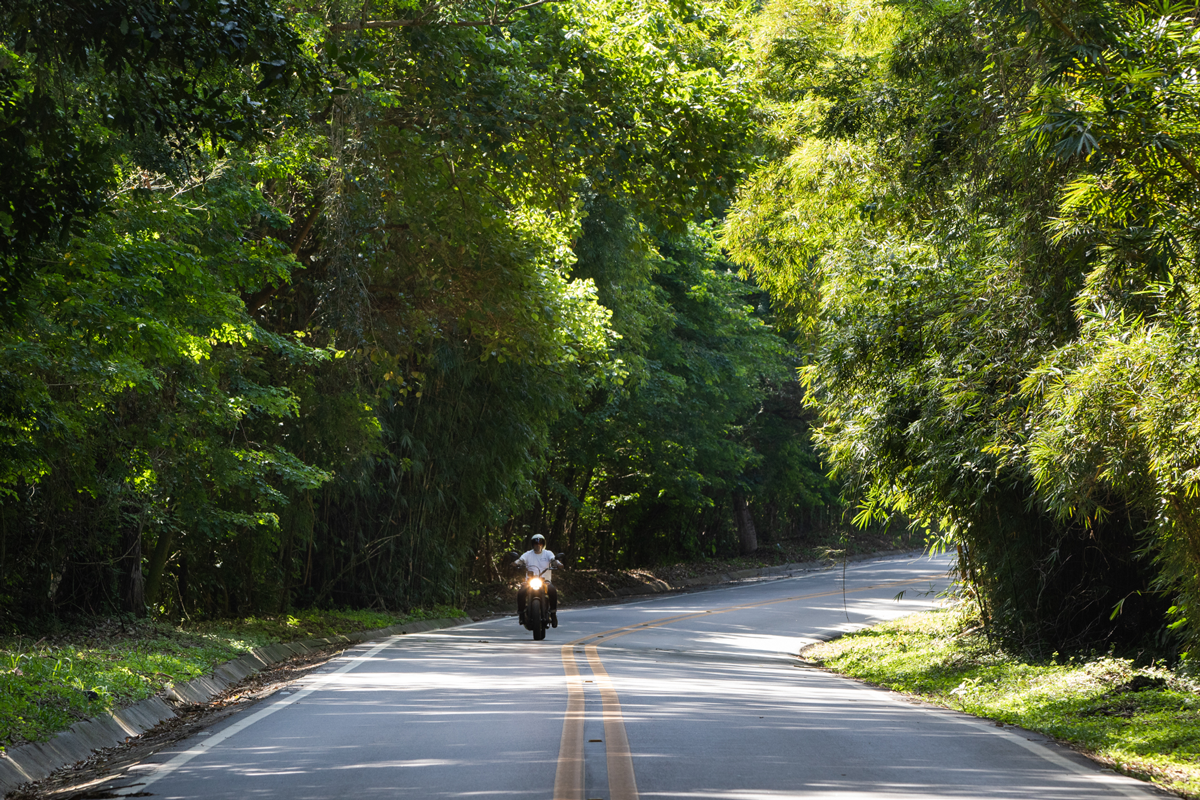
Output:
x,y
685,696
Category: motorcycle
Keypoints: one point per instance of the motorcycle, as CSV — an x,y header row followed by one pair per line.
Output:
x,y
537,606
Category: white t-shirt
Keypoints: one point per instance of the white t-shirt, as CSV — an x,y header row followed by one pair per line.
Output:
x,y
536,562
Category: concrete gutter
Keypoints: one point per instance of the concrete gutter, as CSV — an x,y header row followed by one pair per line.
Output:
x,y
32,762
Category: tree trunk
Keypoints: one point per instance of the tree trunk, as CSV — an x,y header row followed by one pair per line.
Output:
x,y
134,597
573,536
158,564
745,524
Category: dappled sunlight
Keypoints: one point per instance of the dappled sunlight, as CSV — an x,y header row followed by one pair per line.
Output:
x,y
405,722
887,608
713,701
737,633
772,721
758,642
719,690
302,769
425,762
973,784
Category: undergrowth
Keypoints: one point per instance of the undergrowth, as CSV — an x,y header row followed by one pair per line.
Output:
x,y
1144,721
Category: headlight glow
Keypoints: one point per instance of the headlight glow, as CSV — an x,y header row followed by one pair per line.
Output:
x,y
535,583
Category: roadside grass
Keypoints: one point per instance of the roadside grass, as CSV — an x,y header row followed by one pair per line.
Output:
x,y
110,663
1144,721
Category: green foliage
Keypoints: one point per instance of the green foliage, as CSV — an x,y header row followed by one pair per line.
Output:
x,y
135,387
1115,408
45,689
645,468
84,81
492,157
976,213
334,297
258,631
1142,719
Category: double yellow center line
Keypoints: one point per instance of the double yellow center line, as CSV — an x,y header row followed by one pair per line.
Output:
x,y
569,779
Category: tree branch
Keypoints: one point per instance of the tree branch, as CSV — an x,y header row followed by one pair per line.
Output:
x,y
256,300
308,225
1057,22
1185,162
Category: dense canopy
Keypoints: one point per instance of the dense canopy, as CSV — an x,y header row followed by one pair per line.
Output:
x,y
320,303
984,213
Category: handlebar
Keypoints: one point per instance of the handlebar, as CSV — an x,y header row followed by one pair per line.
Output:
x,y
529,570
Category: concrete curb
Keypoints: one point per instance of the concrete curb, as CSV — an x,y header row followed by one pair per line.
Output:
x,y
32,762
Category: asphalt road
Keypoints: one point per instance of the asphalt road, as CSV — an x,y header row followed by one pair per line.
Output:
x,y
686,696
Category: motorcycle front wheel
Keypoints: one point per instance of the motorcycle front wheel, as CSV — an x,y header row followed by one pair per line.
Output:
x,y
537,621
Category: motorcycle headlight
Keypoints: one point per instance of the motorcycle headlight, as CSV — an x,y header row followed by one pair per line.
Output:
x,y
535,583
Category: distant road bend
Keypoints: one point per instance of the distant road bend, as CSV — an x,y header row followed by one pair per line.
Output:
x,y
684,696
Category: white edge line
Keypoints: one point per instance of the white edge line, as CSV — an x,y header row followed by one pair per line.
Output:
x,y
178,761
1129,787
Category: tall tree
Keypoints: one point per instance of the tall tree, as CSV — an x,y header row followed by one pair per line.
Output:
x,y
954,203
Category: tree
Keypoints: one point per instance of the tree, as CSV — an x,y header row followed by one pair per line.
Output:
x,y
159,77
917,220
300,326
651,466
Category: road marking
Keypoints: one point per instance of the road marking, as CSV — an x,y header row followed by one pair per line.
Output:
x,y
187,755
1120,783
616,737
568,779
1129,787
621,783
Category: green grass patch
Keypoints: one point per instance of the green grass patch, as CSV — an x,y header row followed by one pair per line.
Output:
x,y
49,684
1143,720
254,632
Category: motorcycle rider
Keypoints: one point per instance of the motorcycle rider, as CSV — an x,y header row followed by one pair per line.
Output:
x,y
538,561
